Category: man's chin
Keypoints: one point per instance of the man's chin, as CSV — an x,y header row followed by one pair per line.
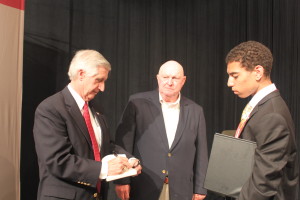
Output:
x,y
170,95
242,96
90,97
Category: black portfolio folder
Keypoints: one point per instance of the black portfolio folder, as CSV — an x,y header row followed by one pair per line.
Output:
x,y
230,165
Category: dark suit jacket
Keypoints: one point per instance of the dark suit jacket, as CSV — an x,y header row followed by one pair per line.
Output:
x,y
275,171
67,168
142,132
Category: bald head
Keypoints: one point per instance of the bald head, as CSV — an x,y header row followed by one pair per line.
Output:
x,y
170,80
171,66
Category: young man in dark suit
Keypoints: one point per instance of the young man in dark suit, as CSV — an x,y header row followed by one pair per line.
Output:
x,y
71,137
167,132
267,122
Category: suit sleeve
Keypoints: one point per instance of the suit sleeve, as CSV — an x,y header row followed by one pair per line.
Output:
x,y
272,136
201,159
55,151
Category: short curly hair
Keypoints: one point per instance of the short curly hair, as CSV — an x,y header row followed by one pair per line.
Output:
x,y
251,54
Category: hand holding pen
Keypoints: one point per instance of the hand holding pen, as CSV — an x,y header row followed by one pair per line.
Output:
x,y
118,165
134,162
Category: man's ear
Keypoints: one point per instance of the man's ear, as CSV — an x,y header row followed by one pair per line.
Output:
x,y
157,77
183,79
81,74
259,72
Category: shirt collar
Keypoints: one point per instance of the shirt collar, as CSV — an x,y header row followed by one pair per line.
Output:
x,y
79,101
170,104
261,94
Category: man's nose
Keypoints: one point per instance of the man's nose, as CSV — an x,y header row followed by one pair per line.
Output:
x,y
170,81
230,82
101,87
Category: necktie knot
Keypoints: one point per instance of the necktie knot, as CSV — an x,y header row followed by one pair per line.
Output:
x,y
246,112
85,108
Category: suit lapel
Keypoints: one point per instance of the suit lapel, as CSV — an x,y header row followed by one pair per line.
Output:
x,y
75,113
159,119
183,116
261,102
264,100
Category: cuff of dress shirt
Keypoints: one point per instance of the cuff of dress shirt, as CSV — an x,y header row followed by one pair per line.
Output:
x,y
104,170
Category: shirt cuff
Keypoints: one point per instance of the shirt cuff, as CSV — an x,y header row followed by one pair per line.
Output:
x,y
104,170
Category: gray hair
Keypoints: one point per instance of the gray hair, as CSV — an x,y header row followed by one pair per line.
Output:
x,y
87,60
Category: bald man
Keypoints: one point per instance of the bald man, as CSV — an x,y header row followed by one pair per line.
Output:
x,y
167,133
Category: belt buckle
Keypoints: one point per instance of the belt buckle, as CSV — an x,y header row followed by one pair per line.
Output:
x,y
97,196
166,181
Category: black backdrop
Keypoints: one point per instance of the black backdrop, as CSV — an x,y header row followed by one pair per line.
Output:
x,y
137,36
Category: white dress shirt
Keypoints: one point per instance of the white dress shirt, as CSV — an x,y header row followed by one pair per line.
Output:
x,y
171,117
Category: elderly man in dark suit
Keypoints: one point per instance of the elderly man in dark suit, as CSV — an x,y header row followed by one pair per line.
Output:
x,y
167,132
266,121
71,137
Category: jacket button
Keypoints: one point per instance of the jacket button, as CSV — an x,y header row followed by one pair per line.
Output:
x,y
169,154
163,171
95,195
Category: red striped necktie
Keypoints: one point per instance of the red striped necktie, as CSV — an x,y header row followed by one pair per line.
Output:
x,y
96,150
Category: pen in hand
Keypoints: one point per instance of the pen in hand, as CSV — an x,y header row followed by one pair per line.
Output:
x,y
124,167
115,153
134,166
137,164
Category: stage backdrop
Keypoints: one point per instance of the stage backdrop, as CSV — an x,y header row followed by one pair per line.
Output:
x,y
137,36
11,59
